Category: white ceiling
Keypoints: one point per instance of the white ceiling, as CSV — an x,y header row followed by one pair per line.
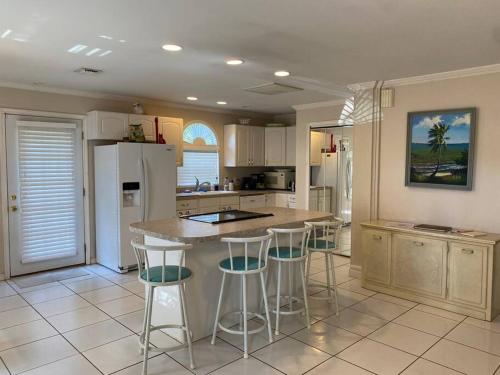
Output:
x,y
326,44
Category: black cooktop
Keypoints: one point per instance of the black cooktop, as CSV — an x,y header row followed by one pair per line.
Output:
x,y
226,216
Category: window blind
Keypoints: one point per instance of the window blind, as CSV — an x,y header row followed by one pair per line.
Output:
x,y
48,192
201,164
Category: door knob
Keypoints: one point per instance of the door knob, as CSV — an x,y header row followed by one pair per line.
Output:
x,y
13,208
13,197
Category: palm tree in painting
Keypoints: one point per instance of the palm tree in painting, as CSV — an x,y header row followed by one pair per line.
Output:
x,y
437,141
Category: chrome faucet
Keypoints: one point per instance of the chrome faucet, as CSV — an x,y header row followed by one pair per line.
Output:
x,y
198,186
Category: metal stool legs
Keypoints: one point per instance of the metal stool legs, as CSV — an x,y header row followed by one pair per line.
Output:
x,y
147,329
185,323
290,296
331,283
244,313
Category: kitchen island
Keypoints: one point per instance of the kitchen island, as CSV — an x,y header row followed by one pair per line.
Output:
x,y
203,260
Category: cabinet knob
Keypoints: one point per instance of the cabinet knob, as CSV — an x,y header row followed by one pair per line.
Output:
x,y
418,243
467,251
376,237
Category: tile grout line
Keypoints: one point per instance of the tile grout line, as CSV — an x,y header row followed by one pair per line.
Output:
x,y
64,338
3,362
285,335
62,335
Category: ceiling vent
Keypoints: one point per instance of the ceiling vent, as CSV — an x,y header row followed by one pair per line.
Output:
x,y
272,88
88,71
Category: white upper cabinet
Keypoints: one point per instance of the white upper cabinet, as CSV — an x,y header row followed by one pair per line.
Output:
x,y
243,146
315,152
114,126
107,125
172,129
290,147
257,150
148,125
275,140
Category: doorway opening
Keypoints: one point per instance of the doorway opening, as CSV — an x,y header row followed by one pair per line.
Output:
x,y
330,175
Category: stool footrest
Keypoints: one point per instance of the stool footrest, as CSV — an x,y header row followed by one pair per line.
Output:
x,y
240,332
164,350
283,307
325,288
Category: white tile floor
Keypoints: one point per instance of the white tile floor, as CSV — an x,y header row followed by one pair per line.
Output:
x,y
89,325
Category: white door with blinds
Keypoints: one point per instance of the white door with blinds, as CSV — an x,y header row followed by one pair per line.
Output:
x,y
45,193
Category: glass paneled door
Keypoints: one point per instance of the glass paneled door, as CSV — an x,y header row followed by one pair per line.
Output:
x,y
45,193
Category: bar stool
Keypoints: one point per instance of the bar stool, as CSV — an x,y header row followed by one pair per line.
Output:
x,y
321,243
243,266
294,253
158,276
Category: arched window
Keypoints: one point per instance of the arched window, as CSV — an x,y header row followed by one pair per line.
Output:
x,y
201,155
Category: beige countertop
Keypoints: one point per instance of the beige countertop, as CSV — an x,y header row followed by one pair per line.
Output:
x,y
189,231
402,227
240,193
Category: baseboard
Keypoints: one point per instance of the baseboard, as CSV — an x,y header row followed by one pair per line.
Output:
x,y
2,276
355,271
93,260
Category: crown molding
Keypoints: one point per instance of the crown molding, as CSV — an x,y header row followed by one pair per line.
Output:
x,y
453,74
125,98
329,103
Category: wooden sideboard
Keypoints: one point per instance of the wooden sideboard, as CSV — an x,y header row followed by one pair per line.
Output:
x,y
446,270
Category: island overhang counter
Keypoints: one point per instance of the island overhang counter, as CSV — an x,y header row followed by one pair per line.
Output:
x,y
203,260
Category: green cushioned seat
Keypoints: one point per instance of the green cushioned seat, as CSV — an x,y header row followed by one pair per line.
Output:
x,y
239,263
321,244
171,274
284,252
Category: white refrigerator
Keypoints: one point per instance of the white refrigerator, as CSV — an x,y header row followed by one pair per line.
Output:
x,y
133,182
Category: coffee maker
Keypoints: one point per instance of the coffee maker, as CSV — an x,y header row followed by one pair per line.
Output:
x,y
256,181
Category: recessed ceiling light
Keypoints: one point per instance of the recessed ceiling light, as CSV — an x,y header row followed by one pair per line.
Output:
x,y
92,51
171,47
107,52
6,33
106,37
221,102
234,62
281,73
192,98
77,48
122,40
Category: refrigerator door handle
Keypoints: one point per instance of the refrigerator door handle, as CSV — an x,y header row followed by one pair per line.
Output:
x,y
146,188
143,189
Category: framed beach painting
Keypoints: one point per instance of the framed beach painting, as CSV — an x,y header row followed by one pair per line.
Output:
x,y
440,148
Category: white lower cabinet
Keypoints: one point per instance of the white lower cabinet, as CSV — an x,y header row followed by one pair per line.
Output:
x,y
444,270
419,264
376,256
313,200
468,272
252,201
281,200
229,203
187,212
271,200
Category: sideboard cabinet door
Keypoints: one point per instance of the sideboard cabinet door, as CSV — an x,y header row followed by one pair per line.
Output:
x,y
419,264
376,256
468,271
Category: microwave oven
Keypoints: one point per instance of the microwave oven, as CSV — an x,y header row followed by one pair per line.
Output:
x,y
279,180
